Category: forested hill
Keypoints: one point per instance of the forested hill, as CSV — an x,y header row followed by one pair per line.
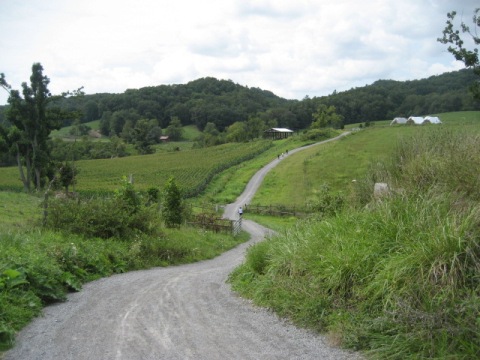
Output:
x,y
223,102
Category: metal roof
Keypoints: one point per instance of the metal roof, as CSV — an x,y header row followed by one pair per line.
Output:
x,y
285,130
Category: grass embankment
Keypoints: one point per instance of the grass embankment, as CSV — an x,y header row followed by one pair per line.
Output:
x,y
397,277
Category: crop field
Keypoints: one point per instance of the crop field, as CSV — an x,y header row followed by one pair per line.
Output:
x,y
192,169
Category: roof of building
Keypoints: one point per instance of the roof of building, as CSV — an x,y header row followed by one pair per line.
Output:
x,y
399,120
285,130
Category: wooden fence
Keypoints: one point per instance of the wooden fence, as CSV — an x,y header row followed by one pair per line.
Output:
x,y
274,210
216,224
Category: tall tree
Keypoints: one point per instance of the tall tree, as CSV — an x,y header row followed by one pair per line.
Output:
x,y
451,35
32,120
174,129
172,210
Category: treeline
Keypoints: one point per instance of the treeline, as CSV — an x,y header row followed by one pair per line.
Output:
x,y
223,103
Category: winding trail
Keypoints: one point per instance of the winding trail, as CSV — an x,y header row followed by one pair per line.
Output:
x,y
177,312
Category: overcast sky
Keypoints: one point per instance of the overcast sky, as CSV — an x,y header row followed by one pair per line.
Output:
x,y
294,48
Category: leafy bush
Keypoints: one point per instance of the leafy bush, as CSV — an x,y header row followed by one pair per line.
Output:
x,y
325,202
319,134
121,216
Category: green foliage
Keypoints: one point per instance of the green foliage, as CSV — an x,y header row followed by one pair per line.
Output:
x,y
123,216
67,175
326,116
398,278
174,130
469,57
325,202
173,208
32,118
318,134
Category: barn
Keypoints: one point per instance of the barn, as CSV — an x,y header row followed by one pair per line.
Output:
x,y
278,133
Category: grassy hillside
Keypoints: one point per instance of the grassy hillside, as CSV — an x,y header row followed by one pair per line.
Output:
x,y
298,179
397,276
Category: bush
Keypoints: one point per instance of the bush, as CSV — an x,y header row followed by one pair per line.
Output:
x,y
102,217
318,134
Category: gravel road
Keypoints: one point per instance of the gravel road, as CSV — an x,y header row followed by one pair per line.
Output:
x,y
178,312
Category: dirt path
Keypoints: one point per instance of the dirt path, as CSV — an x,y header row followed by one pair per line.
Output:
x,y
182,312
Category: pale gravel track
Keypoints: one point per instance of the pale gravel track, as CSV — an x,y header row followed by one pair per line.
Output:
x,y
178,312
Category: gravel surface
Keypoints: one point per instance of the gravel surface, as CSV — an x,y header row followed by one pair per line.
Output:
x,y
178,312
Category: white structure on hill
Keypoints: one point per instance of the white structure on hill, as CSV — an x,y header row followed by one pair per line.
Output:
x,y
417,120
399,120
432,120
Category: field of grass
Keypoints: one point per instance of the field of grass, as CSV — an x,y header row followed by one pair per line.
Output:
x,y
397,278
298,178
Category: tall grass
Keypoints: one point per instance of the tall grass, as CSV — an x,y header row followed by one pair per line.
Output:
x,y
397,277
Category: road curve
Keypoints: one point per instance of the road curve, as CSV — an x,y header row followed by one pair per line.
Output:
x,y
177,312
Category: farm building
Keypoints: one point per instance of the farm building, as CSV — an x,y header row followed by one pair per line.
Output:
x,y
417,120
399,120
432,120
278,133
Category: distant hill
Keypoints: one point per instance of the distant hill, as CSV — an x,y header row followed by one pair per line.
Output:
x,y
224,102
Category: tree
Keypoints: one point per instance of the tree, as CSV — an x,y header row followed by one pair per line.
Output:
x,y
237,132
172,210
143,142
67,175
326,116
451,35
174,130
32,118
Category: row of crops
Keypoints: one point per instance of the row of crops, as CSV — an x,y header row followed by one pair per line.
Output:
x,y
192,169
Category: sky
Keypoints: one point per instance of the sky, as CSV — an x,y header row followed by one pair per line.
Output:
x,y
294,48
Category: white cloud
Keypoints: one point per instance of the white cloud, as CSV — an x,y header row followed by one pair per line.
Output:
x,y
293,48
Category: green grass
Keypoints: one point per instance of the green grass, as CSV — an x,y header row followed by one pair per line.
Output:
x,y
192,169
191,132
19,211
298,178
65,131
228,185
397,278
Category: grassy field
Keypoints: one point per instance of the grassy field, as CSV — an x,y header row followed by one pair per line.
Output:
x,y
298,178
395,277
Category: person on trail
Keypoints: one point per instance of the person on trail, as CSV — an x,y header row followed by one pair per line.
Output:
x,y
240,211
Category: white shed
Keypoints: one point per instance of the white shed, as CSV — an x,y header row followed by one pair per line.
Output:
x,y
417,120
432,120
399,120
